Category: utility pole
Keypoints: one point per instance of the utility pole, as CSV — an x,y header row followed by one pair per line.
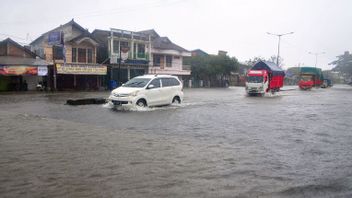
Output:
x,y
316,54
278,45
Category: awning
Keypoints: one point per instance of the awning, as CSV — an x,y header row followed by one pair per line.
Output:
x,y
23,70
81,69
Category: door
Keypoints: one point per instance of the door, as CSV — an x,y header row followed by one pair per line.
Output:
x,y
154,95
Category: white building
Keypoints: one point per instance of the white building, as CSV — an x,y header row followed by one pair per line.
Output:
x,y
167,57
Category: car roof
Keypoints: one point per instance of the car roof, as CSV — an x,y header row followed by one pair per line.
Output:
x,y
155,75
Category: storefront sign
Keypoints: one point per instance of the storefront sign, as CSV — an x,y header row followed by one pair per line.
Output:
x,y
81,69
42,71
18,70
55,38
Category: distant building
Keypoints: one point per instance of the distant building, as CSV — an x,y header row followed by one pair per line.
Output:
x,y
199,52
166,56
71,52
222,53
20,69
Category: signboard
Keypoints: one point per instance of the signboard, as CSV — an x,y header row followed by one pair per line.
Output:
x,y
81,69
42,71
18,70
124,54
55,38
113,59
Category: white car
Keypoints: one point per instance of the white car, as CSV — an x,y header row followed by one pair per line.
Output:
x,y
148,90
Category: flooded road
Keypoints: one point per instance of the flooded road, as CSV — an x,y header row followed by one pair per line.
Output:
x,y
218,143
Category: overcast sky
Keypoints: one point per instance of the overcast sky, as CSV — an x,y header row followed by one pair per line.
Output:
x,y
237,26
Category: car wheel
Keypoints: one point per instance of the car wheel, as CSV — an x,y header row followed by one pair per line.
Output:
x,y
141,103
176,100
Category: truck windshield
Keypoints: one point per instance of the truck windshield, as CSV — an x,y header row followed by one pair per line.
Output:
x,y
137,82
255,79
306,78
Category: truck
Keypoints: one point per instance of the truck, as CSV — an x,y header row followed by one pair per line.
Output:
x,y
326,83
264,77
310,77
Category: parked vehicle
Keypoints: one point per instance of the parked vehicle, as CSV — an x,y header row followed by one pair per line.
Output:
x,y
310,77
326,83
264,77
148,90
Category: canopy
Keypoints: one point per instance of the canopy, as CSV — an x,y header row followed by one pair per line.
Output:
x,y
270,67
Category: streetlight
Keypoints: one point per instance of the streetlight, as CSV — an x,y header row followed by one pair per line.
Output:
x,y
316,54
278,46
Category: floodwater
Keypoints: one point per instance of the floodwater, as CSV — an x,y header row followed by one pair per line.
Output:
x,y
218,143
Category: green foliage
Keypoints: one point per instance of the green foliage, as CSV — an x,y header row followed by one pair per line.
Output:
x,y
343,64
209,67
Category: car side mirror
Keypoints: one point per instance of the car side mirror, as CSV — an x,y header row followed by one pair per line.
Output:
x,y
150,86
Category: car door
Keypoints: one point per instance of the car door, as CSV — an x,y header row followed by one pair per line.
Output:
x,y
153,94
166,90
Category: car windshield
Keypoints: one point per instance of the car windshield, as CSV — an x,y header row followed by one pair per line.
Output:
x,y
255,79
137,82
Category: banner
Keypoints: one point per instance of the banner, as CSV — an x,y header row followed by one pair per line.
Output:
x,y
81,69
42,71
18,70
55,38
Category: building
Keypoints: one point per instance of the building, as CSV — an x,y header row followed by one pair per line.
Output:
x,y
199,52
20,69
127,53
167,57
71,52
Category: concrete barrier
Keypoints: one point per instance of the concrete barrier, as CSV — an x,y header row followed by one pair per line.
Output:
x,y
86,101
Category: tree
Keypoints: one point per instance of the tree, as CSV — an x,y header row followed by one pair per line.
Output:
x,y
213,68
343,64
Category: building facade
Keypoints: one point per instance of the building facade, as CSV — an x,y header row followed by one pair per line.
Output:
x,y
167,57
20,69
127,53
71,53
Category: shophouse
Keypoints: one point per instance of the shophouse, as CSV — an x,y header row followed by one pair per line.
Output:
x,y
71,52
20,69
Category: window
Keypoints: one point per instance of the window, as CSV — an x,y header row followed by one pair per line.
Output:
x,y
90,55
174,82
168,82
176,57
155,82
141,51
58,52
137,82
168,61
82,56
157,60
74,55
116,47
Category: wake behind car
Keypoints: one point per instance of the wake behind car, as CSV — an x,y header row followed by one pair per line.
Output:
x,y
148,90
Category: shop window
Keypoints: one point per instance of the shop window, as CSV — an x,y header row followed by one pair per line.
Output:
x,y
82,56
74,55
168,61
90,55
